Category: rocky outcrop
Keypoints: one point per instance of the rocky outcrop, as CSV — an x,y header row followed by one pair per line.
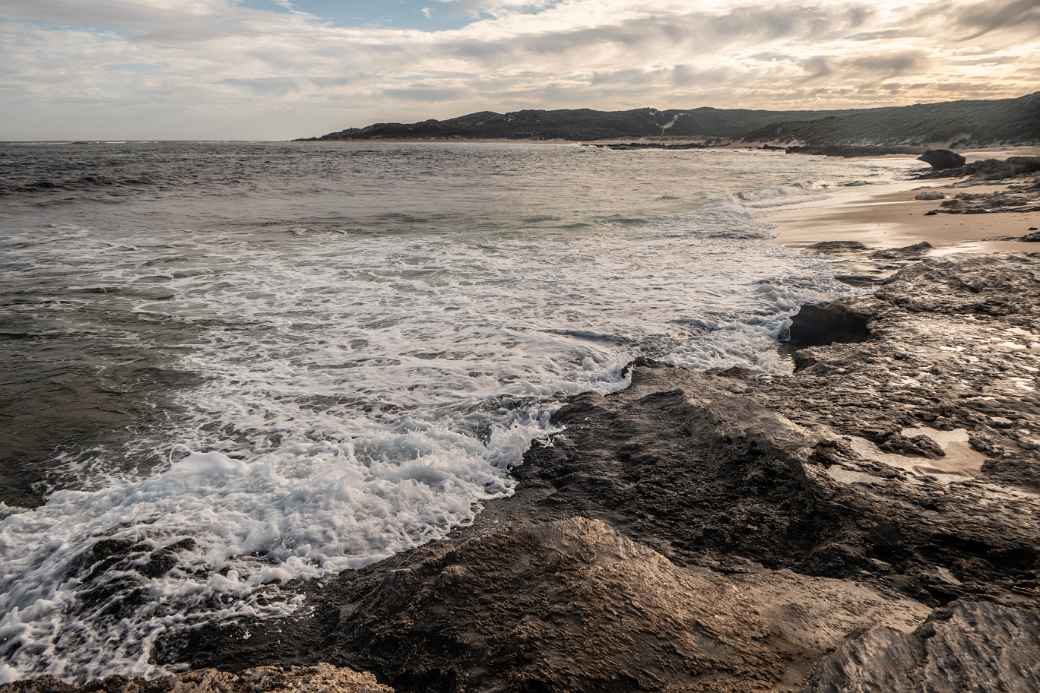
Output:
x,y
729,531
851,150
908,252
967,647
322,678
942,159
738,531
990,169
511,610
987,203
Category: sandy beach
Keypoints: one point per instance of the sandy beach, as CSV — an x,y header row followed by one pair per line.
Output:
x,y
889,216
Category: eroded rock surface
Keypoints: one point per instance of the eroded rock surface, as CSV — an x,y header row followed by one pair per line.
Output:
x,y
968,647
727,531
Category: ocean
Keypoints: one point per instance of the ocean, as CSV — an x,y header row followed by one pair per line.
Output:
x,y
224,366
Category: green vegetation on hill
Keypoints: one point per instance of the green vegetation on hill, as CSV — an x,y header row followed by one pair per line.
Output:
x,y
955,122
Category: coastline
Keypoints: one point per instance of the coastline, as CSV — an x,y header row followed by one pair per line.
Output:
x,y
726,531
853,534
888,216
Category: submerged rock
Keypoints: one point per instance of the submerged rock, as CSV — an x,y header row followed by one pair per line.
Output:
x,y
838,246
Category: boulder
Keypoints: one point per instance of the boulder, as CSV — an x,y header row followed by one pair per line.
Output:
x,y
827,323
930,195
942,159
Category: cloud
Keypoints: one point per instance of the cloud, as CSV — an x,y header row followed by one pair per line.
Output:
x,y
889,65
986,17
424,93
134,68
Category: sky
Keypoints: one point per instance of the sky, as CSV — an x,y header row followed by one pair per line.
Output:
x,y
278,69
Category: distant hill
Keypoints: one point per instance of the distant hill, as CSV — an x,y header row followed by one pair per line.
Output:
x,y
1011,121
959,122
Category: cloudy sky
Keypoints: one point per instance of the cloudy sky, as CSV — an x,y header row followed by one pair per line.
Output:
x,y
276,69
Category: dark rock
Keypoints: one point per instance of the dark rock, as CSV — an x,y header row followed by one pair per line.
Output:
x,y
942,159
838,246
828,323
990,169
1032,237
850,151
970,646
930,195
859,279
910,252
986,203
684,146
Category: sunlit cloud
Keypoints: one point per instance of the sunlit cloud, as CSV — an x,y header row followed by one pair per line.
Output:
x,y
285,68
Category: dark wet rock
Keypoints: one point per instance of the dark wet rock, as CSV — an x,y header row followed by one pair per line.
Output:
x,y
942,159
910,252
850,150
968,647
990,169
859,279
916,446
930,195
828,323
322,678
987,203
1033,237
682,146
838,246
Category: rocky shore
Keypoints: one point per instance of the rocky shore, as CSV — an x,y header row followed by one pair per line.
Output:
x,y
870,521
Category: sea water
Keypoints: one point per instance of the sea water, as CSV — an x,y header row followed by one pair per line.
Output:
x,y
375,334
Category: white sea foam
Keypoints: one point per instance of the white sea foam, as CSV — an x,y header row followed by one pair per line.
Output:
x,y
363,392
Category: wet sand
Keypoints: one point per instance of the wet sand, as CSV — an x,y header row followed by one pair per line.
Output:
x,y
888,216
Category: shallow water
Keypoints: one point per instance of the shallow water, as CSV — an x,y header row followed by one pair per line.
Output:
x,y
365,338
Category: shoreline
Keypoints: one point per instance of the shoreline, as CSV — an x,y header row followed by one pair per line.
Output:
x,y
694,508
852,532
888,216
725,530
